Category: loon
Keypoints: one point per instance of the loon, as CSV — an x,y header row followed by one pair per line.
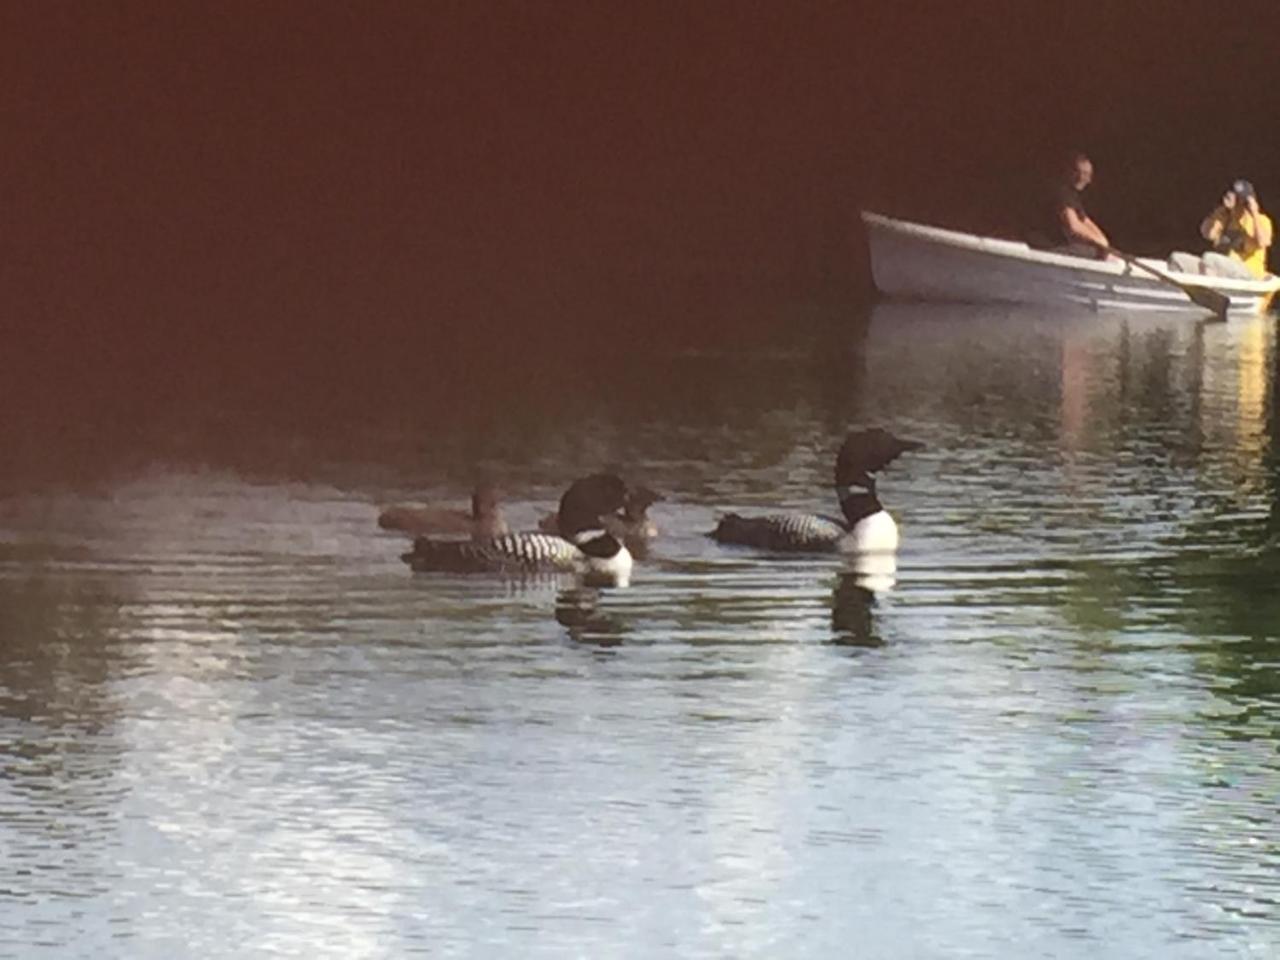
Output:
x,y
866,528
585,546
484,522
636,522
634,527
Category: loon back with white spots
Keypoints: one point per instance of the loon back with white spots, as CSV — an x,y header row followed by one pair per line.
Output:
x,y
511,551
804,532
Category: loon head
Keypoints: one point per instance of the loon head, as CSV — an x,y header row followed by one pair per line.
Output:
x,y
581,509
638,502
861,456
485,500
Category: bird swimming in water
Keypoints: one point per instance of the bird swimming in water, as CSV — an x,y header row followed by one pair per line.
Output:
x,y
584,545
484,522
633,526
866,526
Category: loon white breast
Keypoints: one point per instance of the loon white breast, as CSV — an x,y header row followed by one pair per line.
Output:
x,y
866,528
606,559
875,533
586,547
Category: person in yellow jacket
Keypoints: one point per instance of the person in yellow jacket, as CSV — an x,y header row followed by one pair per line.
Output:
x,y
1240,233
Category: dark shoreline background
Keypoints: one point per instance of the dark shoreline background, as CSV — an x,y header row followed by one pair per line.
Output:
x,y
199,200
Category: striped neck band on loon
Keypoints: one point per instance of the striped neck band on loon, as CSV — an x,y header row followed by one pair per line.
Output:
x,y
846,490
596,543
857,502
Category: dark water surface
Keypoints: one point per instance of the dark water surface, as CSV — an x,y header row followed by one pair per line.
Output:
x,y
234,725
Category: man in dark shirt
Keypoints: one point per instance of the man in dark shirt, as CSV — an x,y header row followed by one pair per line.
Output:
x,y
1070,228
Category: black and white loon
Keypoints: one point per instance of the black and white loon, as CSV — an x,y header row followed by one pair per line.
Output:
x,y
586,546
866,528
633,526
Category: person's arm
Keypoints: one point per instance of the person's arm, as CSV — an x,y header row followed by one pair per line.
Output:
x,y
1261,224
1211,227
1083,228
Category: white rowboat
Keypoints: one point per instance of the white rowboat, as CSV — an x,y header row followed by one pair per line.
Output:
x,y
915,261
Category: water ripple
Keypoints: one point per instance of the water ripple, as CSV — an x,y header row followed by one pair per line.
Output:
x,y
235,725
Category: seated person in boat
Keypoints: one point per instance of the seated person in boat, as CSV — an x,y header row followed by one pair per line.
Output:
x,y
1069,228
1080,233
1240,234
1065,227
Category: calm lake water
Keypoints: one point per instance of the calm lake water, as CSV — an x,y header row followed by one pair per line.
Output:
x,y
234,725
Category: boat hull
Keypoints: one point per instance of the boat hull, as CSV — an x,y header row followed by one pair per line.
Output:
x,y
915,261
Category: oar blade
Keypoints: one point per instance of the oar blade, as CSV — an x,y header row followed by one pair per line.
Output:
x,y
1213,301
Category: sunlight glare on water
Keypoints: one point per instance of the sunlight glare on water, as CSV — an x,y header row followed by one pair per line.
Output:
x,y
236,725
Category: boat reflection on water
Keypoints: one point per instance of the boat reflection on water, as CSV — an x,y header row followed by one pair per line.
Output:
x,y
861,580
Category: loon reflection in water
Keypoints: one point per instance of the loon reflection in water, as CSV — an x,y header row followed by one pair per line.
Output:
x,y
852,621
577,610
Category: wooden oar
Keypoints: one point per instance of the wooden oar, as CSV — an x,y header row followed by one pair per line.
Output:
x,y
1213,301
